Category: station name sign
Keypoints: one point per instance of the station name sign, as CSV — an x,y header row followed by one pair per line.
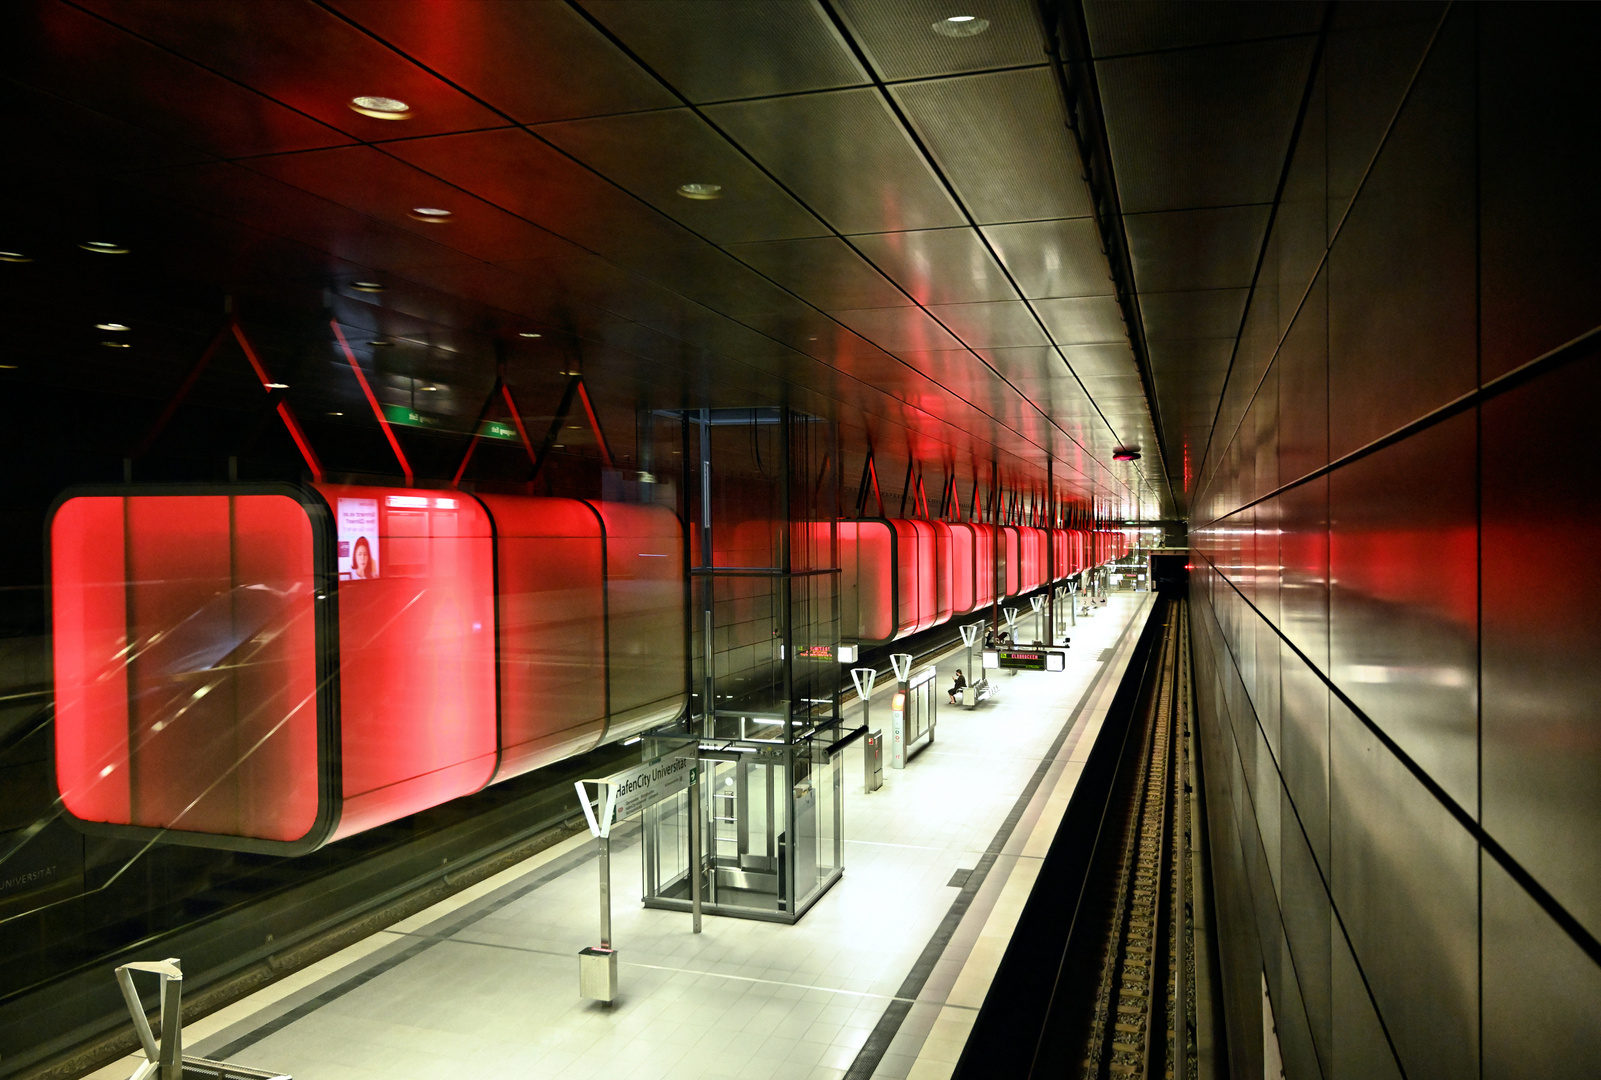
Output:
x,y
628,791
1026,659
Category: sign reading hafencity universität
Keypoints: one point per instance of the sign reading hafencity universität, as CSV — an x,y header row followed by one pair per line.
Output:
x,y
625,793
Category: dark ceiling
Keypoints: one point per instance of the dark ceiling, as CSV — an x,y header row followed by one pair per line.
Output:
x,y
903,241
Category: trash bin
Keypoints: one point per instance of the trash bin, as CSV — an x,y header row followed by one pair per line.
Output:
x,y
873,760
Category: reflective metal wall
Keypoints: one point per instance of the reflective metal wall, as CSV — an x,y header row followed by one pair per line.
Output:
x,y
1397,607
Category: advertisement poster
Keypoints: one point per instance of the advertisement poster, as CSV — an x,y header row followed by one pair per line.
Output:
x,y
358,539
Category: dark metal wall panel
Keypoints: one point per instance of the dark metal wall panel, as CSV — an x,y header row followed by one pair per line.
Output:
x,y
714,51
1405,881
1001,139
1541,125
1420,660
901,41
1403,604
1542,994
1117,27
845,155
1196,249
1202,127
1542,685
1398,321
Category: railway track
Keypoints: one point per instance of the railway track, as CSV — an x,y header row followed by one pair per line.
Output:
x,y
1144,1003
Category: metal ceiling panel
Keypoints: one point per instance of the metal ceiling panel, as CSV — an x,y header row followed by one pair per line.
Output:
x,y
534,62
373,183
781,46
513,169
1118,27
238,194
900,40
1203,127
93,63
1097,361
974,124
1053,258
996,325
61,139
844,154
823,271
652,154
1082,320
710,276
1195,249
1208,313
938,266
898,328
306,57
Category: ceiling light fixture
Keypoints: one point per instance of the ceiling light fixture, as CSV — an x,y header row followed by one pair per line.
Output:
x,y
960,26
1126,453
701,191
8,367
381,343
431,214
381,108
336,414
103,247
14,256
528,334
116,344
277,386
430,388
115,326
366,286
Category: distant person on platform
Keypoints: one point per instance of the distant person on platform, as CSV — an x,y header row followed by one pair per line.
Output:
x,y
958,686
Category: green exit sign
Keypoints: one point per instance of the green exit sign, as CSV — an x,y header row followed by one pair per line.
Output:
x,y
404,416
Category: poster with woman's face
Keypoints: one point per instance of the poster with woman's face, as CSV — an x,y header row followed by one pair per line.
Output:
x,y
358,539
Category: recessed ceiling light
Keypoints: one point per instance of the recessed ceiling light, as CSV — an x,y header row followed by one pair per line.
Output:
x,y
103,247
381,108
13,256
574,427
558,446
381,343
366,286
8,367
116,344
527,334
431,214
430,388
117,326
961,26
277,386
336,414
701,191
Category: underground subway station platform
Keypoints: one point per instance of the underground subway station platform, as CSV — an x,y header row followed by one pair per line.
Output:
x,y
788,539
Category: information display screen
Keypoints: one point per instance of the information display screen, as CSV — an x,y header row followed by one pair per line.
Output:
x,y
1032,659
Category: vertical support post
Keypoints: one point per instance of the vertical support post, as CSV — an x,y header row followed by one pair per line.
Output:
x,y
695,867
605,892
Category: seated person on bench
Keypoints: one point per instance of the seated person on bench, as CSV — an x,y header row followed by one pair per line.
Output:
x,y
958,686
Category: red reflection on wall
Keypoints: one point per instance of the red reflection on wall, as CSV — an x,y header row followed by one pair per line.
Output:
x,y
962,559
185,665
945,572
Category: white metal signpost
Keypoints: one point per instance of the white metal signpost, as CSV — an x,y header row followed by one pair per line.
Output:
x,y
622,795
